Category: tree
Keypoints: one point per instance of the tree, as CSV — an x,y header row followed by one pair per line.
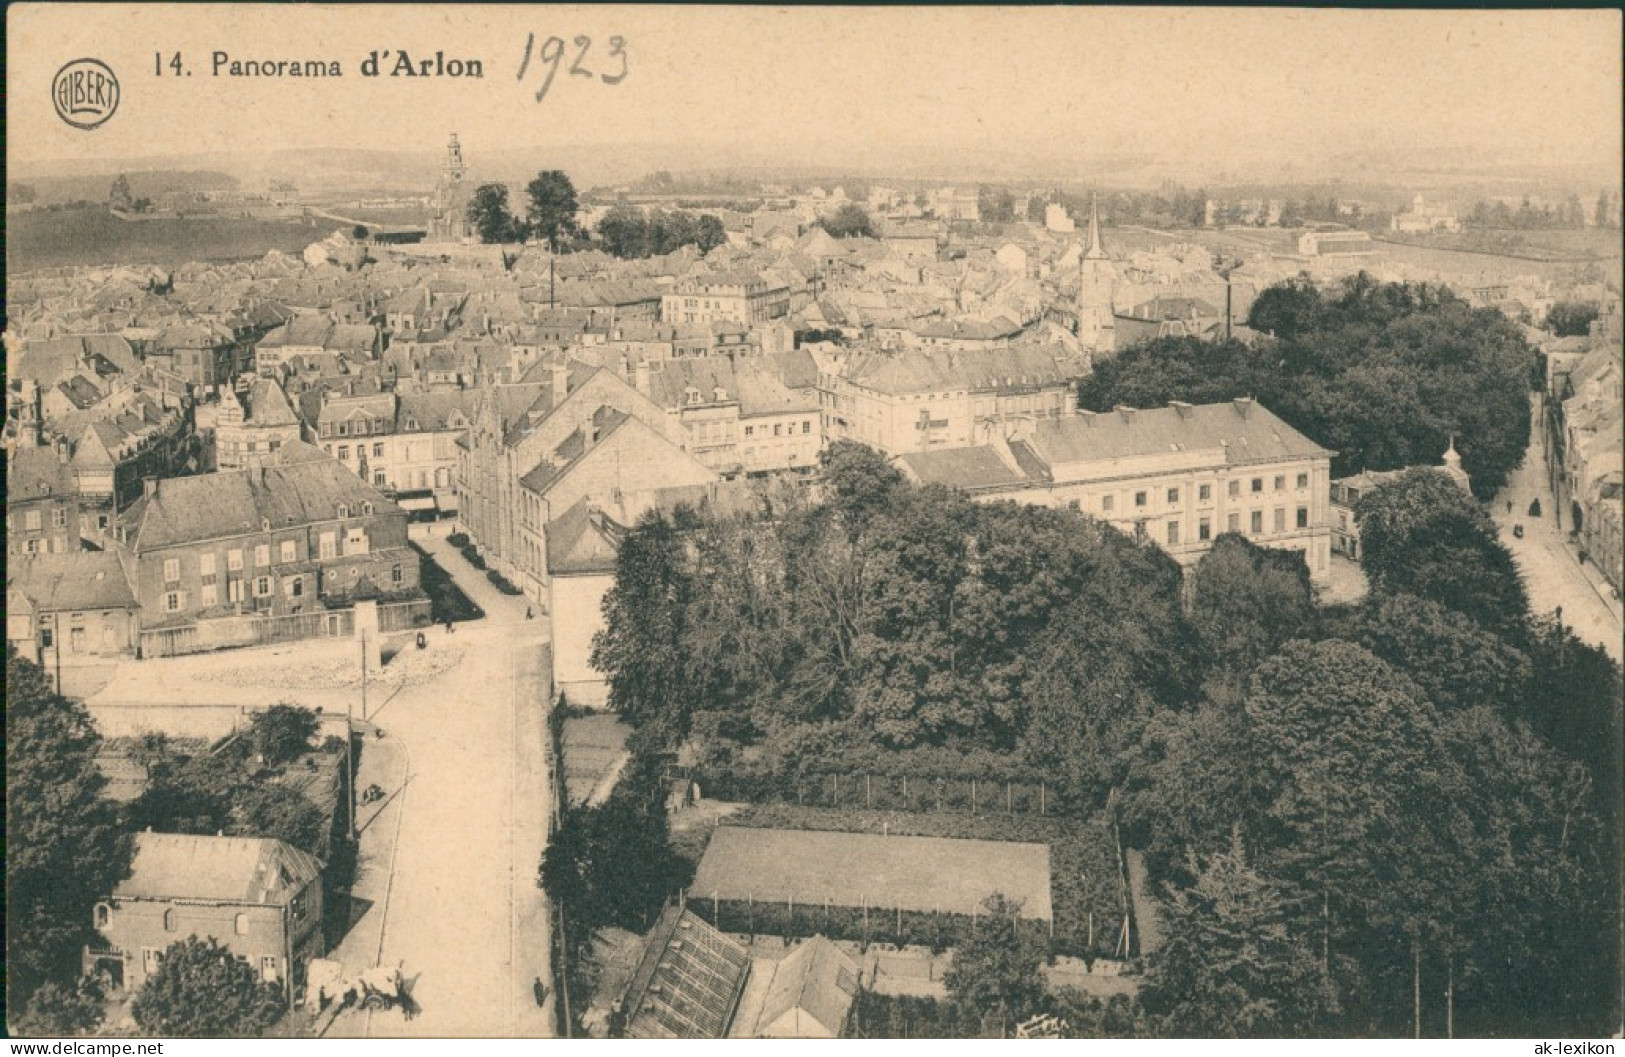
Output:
x,y
58,1010
996,968
359,232
282,733
639,645
1232,966
203,990
489,215
1568,319
995,204
552,209
1422,535
861,481
1457,661
65,848
848,221
624,231
278,812
1247,600
709,233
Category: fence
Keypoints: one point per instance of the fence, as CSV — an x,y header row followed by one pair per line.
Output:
x,y
265,629
890,792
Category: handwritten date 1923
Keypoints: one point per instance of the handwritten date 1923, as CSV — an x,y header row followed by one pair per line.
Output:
x,y
551,57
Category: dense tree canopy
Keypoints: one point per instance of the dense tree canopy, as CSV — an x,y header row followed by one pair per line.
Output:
x,y
65,848
848,221
202,990
551,209
1422,535
626,231
1383,374
491,217
996,970
1569,319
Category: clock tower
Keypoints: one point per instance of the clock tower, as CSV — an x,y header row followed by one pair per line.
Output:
x,y
451,196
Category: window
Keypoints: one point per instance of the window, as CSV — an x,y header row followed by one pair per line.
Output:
x,y
329,548
262,586
1258,484
32,546
290,552
205,564
344,511
377,451
1139,499
396,576
208,595
1258,522
1280,519
169,920
344,452
1235,489
151,957
1303,480
294,586
234,590
379,480
59,518
806,428
1204,492
172,570
240,925
1303,517
778,429
262,555
1280,482
234,560
366,509
45,637
750,431
1204,530
268,968
1173,495
1233,523
1173,533
173,601
1106,502
31,520
344,431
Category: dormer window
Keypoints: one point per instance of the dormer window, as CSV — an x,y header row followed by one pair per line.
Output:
x,y
265,524
344,511
44,489
366,509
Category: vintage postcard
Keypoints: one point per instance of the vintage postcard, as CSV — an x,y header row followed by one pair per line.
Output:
x,y
816,522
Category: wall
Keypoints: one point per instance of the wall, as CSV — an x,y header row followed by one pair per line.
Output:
x,y
576,606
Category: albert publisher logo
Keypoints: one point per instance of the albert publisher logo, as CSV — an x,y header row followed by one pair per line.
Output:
x,y
85,93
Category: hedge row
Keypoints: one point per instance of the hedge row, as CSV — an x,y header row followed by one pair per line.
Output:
x,y
889,792
938,931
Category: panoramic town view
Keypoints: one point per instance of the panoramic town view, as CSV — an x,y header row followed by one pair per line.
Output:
x,y
467,578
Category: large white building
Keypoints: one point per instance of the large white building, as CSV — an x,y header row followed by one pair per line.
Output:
x,y
1177,476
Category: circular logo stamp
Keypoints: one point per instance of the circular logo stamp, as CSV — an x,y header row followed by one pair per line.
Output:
x,y
85,93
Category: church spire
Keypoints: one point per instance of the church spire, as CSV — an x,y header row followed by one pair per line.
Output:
x,y
1095,251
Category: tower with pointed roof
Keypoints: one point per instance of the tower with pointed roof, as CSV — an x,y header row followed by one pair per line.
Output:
x,y
1097,287
451,195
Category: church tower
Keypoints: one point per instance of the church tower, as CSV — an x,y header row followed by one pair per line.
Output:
x,y
1097,285
451,195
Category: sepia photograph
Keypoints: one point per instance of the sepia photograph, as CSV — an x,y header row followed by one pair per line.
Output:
x,y
813,522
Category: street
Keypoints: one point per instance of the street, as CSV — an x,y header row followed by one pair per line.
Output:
x,y
1551,568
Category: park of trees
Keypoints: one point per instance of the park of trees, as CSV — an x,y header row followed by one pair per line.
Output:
x,y
1384,374
1386,818
550,215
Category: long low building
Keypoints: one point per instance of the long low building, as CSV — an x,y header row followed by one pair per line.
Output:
x,y
921,874
1178,476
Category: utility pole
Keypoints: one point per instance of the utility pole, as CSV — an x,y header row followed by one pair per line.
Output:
x,y
363,676
349,761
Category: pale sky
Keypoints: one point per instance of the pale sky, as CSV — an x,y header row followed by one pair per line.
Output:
x,y
1198,84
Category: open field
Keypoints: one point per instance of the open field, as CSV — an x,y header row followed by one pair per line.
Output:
x,y
1577,245
69,237
922,874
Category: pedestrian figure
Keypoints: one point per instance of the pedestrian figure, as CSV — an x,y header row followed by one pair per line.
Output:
x,y
539,989
527,613
1509,506
448,627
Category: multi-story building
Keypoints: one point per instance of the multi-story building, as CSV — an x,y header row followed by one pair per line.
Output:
x,y
919,401
42,502
1176,476
204,353
404,444
71,610
725,297
301,536
734,416
252,426
259,898
1348,491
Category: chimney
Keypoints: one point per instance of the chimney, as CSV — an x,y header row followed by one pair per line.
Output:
x,y
62,452
561,383
149,487
1243,404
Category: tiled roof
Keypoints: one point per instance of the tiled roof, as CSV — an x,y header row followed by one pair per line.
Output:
x,y
971,468
581,541
245,870
1246,430
217,505
819,980
72,581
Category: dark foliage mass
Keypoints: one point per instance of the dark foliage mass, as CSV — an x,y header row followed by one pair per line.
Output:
x,y
629,232
65,848
202,990
1384,374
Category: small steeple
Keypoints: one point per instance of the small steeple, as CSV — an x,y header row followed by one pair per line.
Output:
x,y
1095,251
1452,459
